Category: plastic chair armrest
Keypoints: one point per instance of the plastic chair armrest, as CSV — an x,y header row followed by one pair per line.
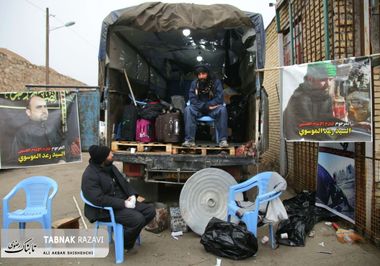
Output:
x,y
232,205
112,215
11,194
100,207
50,199
8,197
5,206
265,197
241,187
109,209
52,195
268,196
244,186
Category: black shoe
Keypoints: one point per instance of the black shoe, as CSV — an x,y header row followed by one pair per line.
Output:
x,y
128,246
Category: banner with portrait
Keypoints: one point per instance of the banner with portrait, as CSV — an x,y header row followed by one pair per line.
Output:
x,y
336,179
327,101
39,128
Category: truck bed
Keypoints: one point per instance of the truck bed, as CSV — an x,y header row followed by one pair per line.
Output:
x,y
157,158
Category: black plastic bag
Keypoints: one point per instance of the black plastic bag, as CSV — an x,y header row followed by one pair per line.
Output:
x,y
150,111
228,240
292,232
303,215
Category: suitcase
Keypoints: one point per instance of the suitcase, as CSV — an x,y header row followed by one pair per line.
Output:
x,y
126,128
169,127
144,130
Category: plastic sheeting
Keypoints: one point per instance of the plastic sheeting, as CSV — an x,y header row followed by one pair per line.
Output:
x,y
152,24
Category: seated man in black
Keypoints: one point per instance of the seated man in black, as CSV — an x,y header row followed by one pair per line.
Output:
x,y
103,185
206,98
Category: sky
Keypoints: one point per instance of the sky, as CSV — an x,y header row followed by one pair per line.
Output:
x,y
74,49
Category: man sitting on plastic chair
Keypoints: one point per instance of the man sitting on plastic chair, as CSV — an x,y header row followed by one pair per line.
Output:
x,y
103,185
267,208
206,98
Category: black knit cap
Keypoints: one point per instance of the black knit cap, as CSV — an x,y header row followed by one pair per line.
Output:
x,y
99,153
202,67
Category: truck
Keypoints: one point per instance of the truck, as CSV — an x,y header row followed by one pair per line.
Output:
x,y
155,47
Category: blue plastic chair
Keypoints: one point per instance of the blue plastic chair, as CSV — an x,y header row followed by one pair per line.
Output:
x,y
209,121
114,227
250,218
38,202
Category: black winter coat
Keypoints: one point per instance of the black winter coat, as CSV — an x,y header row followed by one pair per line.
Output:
x,y
98,188
202,103
307,105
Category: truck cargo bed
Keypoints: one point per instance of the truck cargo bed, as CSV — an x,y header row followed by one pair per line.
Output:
x,y
168,148
150,159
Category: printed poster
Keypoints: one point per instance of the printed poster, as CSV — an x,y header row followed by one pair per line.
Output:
x,y
336,179
38,128
327,101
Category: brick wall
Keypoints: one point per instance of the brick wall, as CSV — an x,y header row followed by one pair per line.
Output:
x,y
346,38
272,86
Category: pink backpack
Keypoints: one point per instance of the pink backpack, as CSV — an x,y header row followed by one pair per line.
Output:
x,y
144,130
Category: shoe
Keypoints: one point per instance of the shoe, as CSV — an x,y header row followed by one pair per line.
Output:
x,y
223,144
188,144
131,251
129,247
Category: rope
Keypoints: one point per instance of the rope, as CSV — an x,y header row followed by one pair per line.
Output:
x,y
280,67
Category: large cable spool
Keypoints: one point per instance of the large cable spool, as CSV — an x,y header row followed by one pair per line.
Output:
x,y
204,196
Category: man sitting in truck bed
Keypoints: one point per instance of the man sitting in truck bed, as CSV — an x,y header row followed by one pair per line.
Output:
x,y
206,98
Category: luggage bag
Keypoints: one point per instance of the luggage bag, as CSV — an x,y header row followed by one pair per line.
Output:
x,y
144,130
169,127
126,128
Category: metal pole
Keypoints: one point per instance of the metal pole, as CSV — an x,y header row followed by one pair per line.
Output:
x,y
290,11
47,48
326,29
130,88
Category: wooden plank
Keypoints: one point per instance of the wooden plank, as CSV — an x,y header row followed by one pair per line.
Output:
x,y
123,145
157,148
150,147
203,150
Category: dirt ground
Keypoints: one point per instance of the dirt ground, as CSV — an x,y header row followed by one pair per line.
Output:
x,y
162,249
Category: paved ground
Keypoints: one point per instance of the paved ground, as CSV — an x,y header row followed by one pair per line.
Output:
x,y
161,249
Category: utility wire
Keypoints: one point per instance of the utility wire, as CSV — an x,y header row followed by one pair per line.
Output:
x,y
62,22
36,6
281,67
